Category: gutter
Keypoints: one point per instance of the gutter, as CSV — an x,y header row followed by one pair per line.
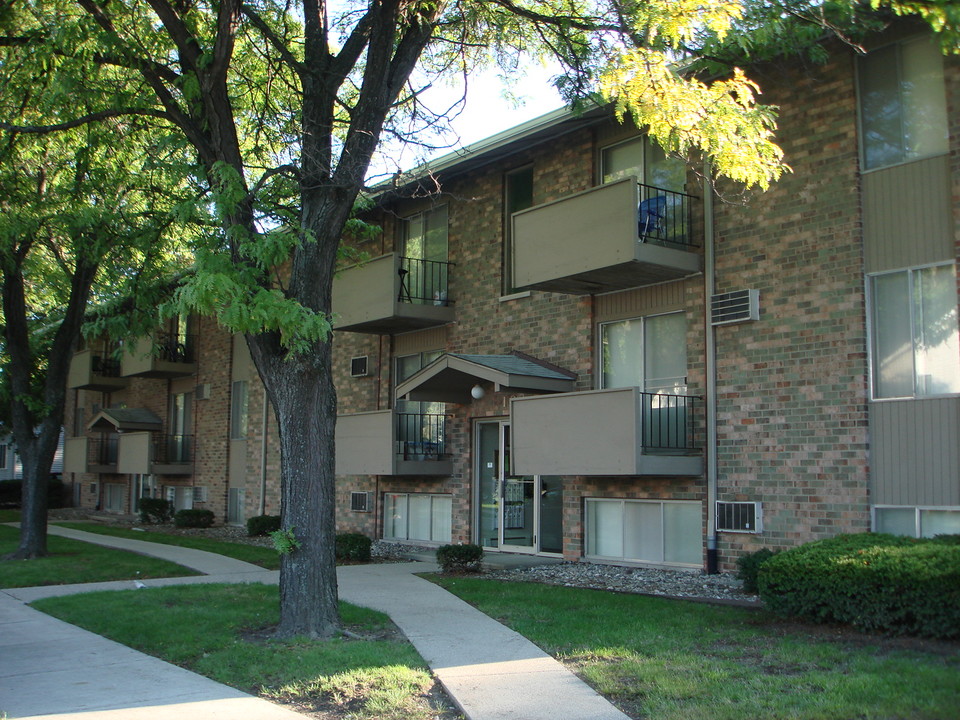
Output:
x,y
709,284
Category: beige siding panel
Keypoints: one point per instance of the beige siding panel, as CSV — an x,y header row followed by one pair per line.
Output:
x,y
907,218
915,454
421,341
641,301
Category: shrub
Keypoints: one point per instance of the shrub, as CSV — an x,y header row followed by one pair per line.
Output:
x,y
873,581
749,565
262,525
193,518
10,493
460,558
353,546
155,510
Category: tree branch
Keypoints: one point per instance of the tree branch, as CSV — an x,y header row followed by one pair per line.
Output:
x,y
85,120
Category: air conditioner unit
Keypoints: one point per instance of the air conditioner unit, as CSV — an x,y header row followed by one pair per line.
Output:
x,y
359,367
360,502
202,391
735,307
745,517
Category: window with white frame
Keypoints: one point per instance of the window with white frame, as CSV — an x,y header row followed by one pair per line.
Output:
x,y
915,342
417,516
903,110
916,521
655,531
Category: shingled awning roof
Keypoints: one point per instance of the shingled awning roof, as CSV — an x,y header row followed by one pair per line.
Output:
x,y
125,420
450,377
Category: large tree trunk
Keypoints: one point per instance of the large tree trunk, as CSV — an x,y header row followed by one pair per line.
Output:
x,y
37,458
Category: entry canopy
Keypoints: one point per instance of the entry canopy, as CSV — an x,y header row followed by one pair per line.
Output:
x,y
450,377
125,420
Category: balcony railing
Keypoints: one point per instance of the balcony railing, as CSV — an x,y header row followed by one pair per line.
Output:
x,y
173,449
175,348
668,423
103,452
664,217
424,282
105,366
421,436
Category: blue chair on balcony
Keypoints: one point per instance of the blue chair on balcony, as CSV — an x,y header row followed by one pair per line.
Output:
x,y
651,215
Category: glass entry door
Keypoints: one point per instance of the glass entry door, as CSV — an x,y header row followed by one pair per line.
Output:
x,y
515,513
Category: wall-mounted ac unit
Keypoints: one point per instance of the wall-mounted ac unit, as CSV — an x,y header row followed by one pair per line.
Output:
x,y
745,517
202,391
359,367
360,502
735,307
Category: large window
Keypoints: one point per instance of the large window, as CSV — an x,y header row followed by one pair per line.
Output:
x,y
915,344
667,532
424,267
644,159
517,196
903,113
647,352
417,516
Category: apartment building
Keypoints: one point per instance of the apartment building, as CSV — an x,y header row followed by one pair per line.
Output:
x,y
564,342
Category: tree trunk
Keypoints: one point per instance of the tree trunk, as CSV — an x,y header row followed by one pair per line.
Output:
x,y
304,401
36,455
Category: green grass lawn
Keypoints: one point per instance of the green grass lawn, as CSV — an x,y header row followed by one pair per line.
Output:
x,y
265,557
72,561
220,631
676,660
7,516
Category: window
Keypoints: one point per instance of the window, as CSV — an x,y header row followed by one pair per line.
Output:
x,y
915,343
903,113
666,532
917,521
239,410
420,425
417,516
647,352
424,265
645,160
3,457
517,196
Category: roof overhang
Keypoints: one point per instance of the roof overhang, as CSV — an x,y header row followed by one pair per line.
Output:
x,y
125,420
451,377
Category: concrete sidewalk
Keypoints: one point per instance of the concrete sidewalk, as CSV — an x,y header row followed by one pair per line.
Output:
x,y
48,667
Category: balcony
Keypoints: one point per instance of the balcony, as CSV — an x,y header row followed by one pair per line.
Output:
x,y
621,431
92,370
612,237
385,442
162,356
91,454
392,294
144,453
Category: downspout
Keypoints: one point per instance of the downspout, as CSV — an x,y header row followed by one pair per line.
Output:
x,y
709,283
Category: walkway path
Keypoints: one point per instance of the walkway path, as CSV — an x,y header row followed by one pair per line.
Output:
x,y
48,667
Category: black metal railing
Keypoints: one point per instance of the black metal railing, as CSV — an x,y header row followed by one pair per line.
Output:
x,y
669,423
420,436
665,217
424,282
175,348
106,366
103,451
173,449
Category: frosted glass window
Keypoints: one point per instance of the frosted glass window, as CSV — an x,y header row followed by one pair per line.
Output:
x,y
605,528
622,349
417,516
939,522
902,103
441,518
395,517
896,521
681,533
649,352
643,532
622,160
916,341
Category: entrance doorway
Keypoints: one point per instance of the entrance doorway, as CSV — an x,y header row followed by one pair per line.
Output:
x,y
514,513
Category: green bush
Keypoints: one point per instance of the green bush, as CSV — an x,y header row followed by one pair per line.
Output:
x,y
155,510
460,558
10,491
193,518
875,582
749,565
353,546
262,525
